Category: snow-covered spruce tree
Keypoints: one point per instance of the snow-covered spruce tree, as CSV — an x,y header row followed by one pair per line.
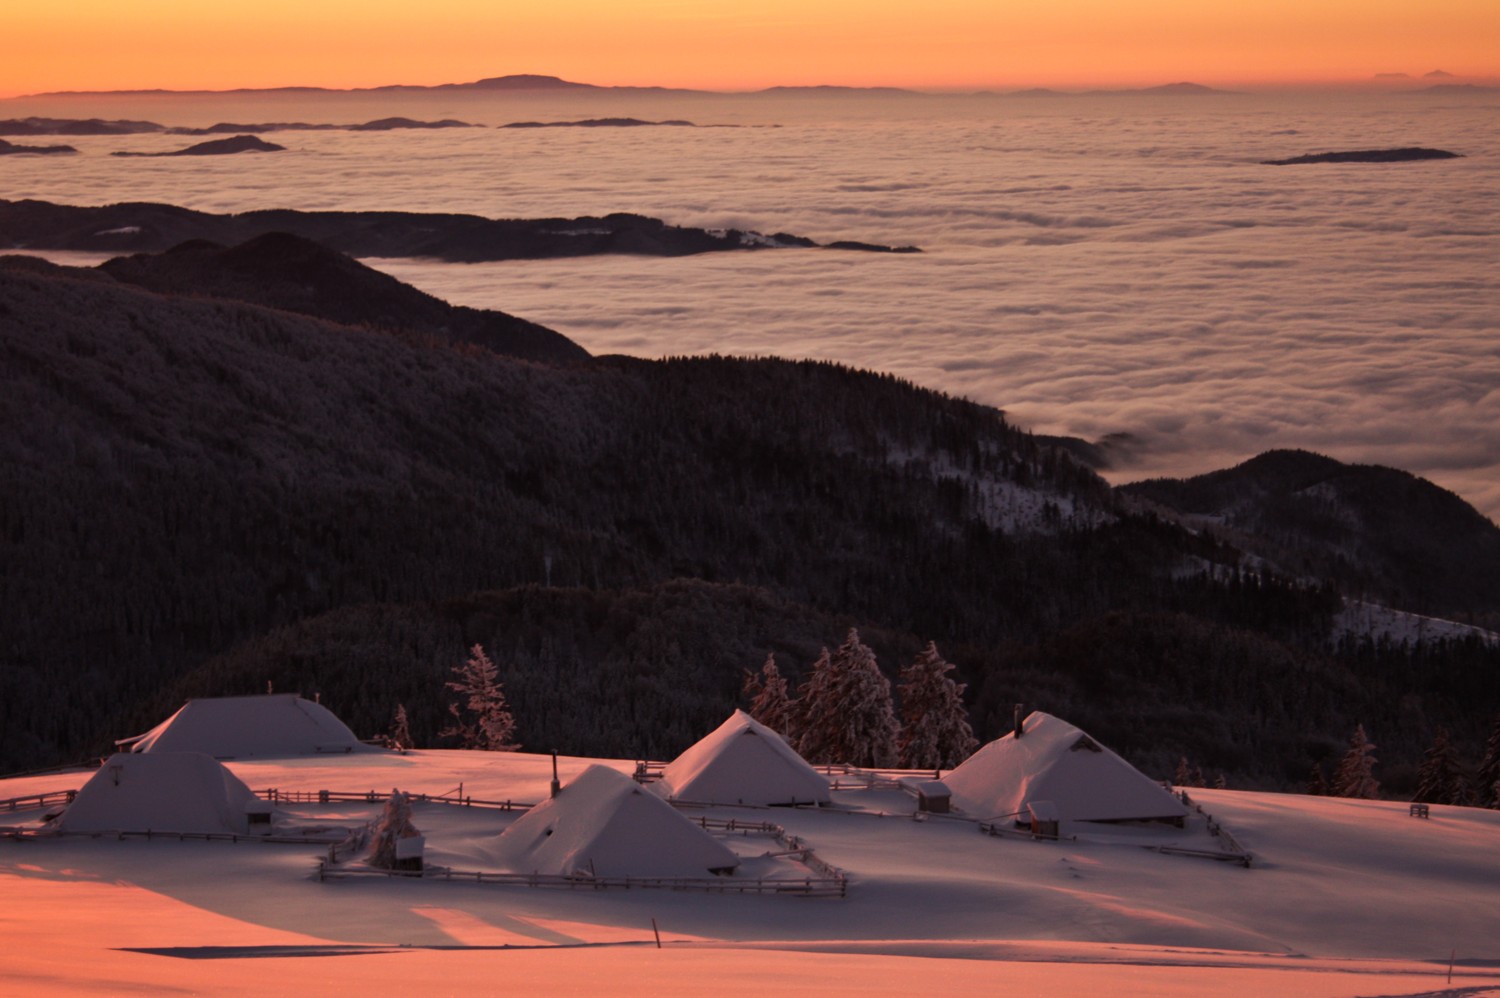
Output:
x,y
846,713
770,703
1317,783
935,730
400,736
482,719
1440,780
1354,777
1487,779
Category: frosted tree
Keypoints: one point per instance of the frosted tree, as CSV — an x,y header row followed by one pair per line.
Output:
x,y
770,703
393,825
846,713
935,730
482,718
1355,777
1440,780
1487,779
400,736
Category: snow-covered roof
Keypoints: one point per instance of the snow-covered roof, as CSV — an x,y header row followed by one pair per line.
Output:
x,y
605,824
279,724
161,792
742,762
1055,761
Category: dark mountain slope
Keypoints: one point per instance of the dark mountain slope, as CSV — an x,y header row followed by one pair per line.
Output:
x,y
184,473
1373,530
297,275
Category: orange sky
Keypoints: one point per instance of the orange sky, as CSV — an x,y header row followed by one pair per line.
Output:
x,y
737,44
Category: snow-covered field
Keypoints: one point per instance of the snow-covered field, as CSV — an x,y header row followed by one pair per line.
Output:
x,y
1342,898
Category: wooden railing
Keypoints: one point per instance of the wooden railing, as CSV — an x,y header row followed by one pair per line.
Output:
x,y
802,887
32,801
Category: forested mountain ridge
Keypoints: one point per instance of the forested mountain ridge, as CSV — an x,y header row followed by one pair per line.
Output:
x,y
1374,531
185,473
201,495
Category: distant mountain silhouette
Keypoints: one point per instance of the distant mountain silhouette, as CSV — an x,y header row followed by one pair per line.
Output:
x,y
144,227
601,123
379,125
75,126
1165,90
1404,155
298,275
216,147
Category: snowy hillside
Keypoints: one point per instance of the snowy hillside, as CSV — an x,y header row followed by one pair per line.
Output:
x,y
1341,897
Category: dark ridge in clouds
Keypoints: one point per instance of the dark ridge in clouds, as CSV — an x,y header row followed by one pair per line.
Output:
x,y
1405,154
611,123
379,125
215,147
454,238
11,149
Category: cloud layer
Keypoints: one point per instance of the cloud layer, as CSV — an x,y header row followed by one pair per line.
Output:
x,y
1092,267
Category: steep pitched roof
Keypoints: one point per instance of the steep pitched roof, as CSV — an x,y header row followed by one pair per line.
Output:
x,y
238,727
605,824
742,762
1055,761
160,792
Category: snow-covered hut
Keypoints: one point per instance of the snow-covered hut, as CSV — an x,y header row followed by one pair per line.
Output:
x,y
162,792
280,724
1048,759
605,824
742,762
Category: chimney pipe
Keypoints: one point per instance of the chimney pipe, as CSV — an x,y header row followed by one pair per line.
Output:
x,y
1019,716
556,787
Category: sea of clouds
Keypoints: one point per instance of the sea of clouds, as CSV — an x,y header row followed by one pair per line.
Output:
x,y
1102,267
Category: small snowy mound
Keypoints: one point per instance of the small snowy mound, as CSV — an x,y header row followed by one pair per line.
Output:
x,y
281,724
161,792
742,762
605,824
1051,760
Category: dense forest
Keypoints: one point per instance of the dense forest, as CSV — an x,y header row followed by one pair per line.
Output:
x,y
202,496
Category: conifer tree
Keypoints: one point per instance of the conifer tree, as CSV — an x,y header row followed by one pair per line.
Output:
x,y
846,713
1355,777
484,720
1183,777
770,703
1317,783
935,729
400,736
1439,780
1487,779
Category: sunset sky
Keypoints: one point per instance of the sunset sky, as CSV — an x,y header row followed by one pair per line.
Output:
x,y
738,45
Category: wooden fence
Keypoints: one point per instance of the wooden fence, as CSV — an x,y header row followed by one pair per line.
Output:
x,y
33,801
801,887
